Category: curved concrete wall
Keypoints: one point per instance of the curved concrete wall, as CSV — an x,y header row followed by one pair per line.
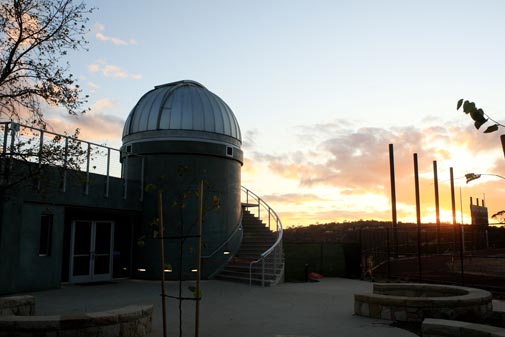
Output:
x,y
414,302
130,321
176,168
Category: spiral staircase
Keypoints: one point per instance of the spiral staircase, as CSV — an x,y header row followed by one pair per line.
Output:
x,y
260,259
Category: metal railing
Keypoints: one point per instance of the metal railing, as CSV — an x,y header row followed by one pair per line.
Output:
x,y
43,147
273,255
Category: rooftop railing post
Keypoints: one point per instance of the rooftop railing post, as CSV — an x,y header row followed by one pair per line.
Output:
x,y
5,138
88,154
65,163
41,149
14,128
108,174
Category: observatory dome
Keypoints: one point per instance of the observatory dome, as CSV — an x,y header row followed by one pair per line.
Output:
x,y
183,110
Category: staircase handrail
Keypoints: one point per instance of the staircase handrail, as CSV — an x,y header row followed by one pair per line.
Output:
x,y
279,231
239,227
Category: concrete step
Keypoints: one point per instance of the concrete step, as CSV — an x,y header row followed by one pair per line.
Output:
x,y
257,238
244,279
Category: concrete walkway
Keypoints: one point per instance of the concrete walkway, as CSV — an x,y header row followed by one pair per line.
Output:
x,y
323,309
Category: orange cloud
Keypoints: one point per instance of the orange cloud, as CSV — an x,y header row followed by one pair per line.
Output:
x,y
117,41
354,164
109,70
97,125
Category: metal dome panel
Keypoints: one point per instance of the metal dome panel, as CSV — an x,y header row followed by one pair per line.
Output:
x,y
182,106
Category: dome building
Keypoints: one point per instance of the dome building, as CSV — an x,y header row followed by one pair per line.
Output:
x,y
83,219
177,135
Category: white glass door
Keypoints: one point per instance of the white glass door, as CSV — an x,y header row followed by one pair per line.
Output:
x,y
91,251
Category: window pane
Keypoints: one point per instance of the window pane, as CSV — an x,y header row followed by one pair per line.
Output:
x,y
102,264
102,243
81,265
82,237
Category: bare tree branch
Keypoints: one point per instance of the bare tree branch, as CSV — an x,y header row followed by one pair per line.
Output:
x,y
34,36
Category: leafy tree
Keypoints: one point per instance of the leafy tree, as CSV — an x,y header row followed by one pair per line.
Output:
x,y
499,216
35,37
478,116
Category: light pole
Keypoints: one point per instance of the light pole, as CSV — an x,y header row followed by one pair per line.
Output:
x,y
472,176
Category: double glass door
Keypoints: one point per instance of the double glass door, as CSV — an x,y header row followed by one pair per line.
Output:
x,y
91,251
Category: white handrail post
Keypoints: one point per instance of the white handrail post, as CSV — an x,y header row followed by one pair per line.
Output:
x,y
275,260
269,214
250,274
263,272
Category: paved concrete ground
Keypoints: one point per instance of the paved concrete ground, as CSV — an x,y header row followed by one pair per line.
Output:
x,y
323,309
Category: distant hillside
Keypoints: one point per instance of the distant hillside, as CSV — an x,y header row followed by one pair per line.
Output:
x,y
341,231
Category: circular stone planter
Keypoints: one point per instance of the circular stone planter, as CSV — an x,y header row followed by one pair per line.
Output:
x,y
413,302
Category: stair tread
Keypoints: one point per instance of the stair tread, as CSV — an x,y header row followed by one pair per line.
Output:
x,y
257,238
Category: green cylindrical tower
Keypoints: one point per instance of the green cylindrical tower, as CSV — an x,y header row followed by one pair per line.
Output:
x,y
177,135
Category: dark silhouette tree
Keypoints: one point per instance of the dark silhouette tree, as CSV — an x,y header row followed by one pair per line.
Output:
x,y
35,37
478,116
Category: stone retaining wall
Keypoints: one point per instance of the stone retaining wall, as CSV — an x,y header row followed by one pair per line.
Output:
x,y
391,301
17,305
447,328
130,321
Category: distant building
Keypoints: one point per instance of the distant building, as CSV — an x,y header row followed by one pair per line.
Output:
x,y
479,213
61,225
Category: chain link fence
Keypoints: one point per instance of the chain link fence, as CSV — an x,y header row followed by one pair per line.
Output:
x,y
467,255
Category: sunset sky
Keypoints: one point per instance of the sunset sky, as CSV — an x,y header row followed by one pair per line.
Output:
x,y
320,88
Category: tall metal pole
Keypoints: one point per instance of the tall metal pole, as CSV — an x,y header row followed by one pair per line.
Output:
x,y
393,199
453,203
418,216
437,202
162,251
461,204
199,261
455,228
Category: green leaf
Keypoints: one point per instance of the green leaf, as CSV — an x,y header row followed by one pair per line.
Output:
x,y
478,116
478,124
469,107
195,292
460,103
150,188
492,128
